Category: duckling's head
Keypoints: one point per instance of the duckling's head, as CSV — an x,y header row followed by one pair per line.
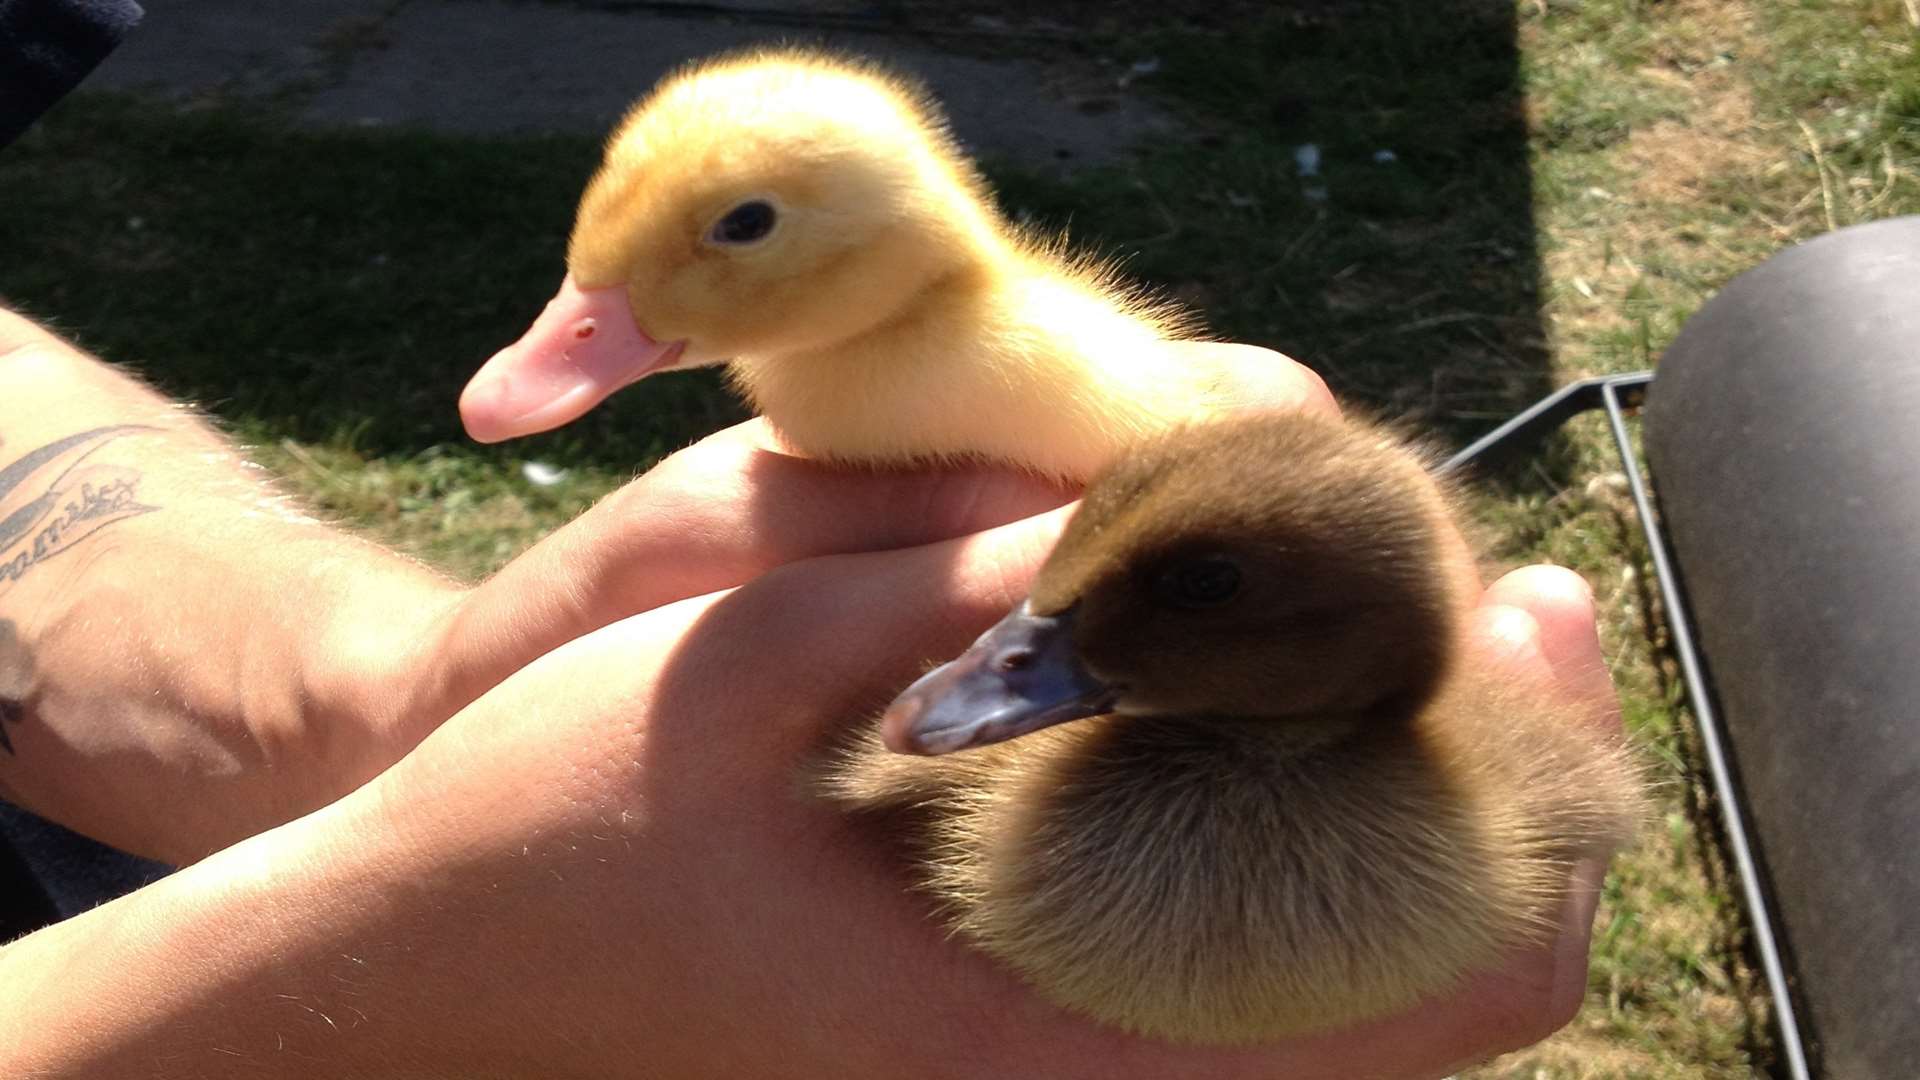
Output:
x,y
1270,567
764,203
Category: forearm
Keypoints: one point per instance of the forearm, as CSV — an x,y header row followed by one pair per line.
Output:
x,y
385,935
240,965
181,650
604,867
194,650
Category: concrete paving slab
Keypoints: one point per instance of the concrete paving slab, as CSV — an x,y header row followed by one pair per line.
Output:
x,y
201,49
499,67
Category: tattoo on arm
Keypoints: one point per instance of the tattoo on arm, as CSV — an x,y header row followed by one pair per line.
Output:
x,y
51,499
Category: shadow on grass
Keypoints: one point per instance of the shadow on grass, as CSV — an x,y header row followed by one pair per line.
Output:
x,y
340,286
1405,272
334,287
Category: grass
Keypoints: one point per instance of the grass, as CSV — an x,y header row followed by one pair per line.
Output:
x,y
1569,179
327,294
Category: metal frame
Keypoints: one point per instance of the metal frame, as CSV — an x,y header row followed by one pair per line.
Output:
x,y
1615,394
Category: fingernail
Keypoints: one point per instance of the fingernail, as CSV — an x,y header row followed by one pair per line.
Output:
x,y
1515,634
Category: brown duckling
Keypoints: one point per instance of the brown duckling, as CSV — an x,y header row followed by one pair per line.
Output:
x,y
1222,778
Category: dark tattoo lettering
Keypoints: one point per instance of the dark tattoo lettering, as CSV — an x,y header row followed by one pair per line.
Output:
x,y
67,499
51,499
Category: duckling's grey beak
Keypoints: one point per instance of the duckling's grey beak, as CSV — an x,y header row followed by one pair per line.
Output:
x,y
1020,676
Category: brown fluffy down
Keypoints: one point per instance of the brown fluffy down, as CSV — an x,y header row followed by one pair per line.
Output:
x,y
1342,823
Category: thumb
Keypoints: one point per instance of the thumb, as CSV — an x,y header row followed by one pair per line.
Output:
x,y
833,639
1544,616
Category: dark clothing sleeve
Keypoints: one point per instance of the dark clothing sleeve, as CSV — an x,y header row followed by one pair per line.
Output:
x,y
47,47
48,873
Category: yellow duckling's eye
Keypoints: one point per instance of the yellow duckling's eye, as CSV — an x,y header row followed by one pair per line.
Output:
x,y
748,223
1197,581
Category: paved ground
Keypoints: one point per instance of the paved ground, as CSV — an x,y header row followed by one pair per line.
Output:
x,y
496,66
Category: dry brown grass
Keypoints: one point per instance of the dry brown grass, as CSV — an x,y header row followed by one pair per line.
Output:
x,y
1678,162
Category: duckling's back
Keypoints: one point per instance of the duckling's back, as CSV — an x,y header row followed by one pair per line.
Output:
x,y
1048,368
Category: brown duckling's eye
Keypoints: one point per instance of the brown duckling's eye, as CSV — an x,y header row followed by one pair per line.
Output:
x,y
744,224
1202,581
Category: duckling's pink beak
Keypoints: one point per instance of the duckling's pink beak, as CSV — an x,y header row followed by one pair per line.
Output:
x,y
583,347
1020,676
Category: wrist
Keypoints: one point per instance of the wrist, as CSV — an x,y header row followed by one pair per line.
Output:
x,y
209,662
378,670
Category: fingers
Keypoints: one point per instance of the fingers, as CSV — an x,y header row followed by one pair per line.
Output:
x,y
1561,603
712,517
869,624
1545,616
756,507
735,505
1263,377
1572,948
726,511
1540,621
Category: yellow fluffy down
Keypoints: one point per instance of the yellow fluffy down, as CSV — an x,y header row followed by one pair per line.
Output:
x,y
893,315
1341,819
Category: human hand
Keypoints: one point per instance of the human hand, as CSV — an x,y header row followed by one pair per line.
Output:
x,y
607,866
766,937
752,859
712,517
279,663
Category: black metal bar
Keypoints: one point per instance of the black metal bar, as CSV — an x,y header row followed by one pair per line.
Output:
x,y
1615,394
1732,815
1546,416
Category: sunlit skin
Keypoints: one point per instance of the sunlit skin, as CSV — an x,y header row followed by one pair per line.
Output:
x,y
601,866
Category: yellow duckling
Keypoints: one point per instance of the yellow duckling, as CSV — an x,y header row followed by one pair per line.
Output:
x,y
808,220
1223,779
